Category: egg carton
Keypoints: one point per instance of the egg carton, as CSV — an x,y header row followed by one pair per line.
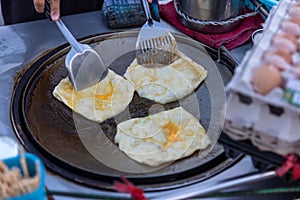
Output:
x,y
269,121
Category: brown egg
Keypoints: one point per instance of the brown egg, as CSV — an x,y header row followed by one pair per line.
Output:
x,y
265,78
285,40
284,54
294,11
296,4
292,26
289,37
295,20
278,57
287,56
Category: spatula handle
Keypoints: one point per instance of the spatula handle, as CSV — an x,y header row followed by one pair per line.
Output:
x,y
63,29
47,10
147,12
68,35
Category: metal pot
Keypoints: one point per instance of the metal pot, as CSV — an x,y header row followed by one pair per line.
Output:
x,y
210,16
212,10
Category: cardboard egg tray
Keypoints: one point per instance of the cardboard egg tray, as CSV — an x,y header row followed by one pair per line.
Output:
x,y
270,121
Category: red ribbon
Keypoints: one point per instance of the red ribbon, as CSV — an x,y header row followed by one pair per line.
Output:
x,y
128,187
292,162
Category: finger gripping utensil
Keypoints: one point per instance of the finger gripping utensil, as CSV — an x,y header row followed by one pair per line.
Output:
x,y
84,65
155,44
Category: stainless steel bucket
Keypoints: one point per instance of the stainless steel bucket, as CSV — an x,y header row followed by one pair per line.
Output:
x,y
210,12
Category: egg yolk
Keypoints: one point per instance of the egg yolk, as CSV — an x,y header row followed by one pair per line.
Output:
x,y
172,132
103,97
76,95
68,87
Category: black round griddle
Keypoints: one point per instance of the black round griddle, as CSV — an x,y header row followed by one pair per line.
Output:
x,y
46,127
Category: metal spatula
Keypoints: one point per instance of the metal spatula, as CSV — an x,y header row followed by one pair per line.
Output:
x,y
155,44
85,66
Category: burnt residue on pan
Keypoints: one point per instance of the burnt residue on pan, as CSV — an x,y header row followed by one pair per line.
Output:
x,y
46,126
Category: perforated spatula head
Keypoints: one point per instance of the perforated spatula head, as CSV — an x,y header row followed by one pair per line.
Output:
x,y
155,43
160,50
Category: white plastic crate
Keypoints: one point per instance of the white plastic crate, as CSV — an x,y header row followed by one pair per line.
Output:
x,y
269,121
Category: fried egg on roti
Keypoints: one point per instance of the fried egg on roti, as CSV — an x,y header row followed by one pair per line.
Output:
x,y
99,102
161,138
168,83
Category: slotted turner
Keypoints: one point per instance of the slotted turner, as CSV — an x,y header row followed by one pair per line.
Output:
x,y
84,65
155,44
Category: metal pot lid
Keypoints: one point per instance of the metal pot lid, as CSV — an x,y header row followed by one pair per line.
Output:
x,y
47,127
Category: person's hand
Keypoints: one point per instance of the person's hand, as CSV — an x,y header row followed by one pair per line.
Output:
x,y
54,8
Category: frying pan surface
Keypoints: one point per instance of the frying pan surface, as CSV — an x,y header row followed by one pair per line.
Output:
x,y
83,151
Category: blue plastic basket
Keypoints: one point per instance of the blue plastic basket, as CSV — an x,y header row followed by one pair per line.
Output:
x,y
40,192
